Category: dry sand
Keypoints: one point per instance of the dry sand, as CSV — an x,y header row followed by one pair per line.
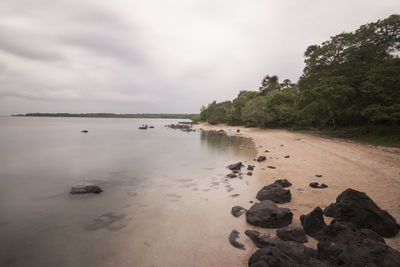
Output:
x,y
343,164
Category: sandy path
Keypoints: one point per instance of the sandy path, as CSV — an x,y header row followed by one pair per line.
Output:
x,y
343,164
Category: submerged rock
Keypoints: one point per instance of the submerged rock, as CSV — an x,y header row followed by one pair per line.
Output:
x,y
261,158
85,189
250,168
235,166
249,173
84,131
267,214
232,240
237,211
292,233
359,209
283,182
231,175
274,192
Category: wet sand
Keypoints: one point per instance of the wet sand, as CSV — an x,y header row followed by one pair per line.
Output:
x,y
343,164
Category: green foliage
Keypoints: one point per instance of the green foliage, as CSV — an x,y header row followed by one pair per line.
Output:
x,y
351,80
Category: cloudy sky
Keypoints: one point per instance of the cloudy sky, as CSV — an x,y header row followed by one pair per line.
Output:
x,y
170,56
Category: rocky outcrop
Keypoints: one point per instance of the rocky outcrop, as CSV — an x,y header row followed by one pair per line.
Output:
x,y
274,192
359,209
267,214
292,233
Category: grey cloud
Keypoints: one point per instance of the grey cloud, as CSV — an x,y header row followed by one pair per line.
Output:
x,y
158,56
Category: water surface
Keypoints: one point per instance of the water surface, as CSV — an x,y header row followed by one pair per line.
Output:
x,y
166,201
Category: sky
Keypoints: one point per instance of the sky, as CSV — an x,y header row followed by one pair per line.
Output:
x,y
164,56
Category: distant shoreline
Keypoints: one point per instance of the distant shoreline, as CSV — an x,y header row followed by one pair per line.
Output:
x,y
110,115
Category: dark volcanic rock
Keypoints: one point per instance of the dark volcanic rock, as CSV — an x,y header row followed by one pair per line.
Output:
x,y
341,243
84,131
316,185
287,156
231,175
279,253
85,189
235,166
232,240
259,240
271,167
274,192
357,208
291,233
267,214
283,182
318,175
313,223
237,211
249,173
250,168
261,158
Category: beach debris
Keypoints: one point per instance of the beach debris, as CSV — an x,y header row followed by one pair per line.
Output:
x,y
249,173
235,166
84,131
317,185
283,182
151,126
267,214
281,145
359,209
318,175
85,189
232,240
261,158
292,233
250,167
274,192
271,167
235,195
237,211
287,156
266,151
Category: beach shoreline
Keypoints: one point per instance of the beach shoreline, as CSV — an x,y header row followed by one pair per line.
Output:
x,y
343,164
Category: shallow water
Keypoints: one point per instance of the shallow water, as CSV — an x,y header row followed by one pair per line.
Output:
x,y
166,201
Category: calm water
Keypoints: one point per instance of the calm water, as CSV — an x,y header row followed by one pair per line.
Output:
x,y
166,201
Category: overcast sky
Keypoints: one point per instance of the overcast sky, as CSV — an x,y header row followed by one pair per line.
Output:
x,y
170,56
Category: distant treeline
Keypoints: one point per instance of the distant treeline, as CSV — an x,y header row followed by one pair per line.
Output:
x,y
111,115
351,80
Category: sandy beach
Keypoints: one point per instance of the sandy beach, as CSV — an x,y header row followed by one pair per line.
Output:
x,y
343,164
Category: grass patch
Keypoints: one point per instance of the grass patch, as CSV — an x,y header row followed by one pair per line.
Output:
x,y
376,135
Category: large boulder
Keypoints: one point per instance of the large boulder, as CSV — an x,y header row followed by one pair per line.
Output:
x,y
274,192
283,182
267,214
235,166
86,189
292,233
343,244
313,223
357,208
